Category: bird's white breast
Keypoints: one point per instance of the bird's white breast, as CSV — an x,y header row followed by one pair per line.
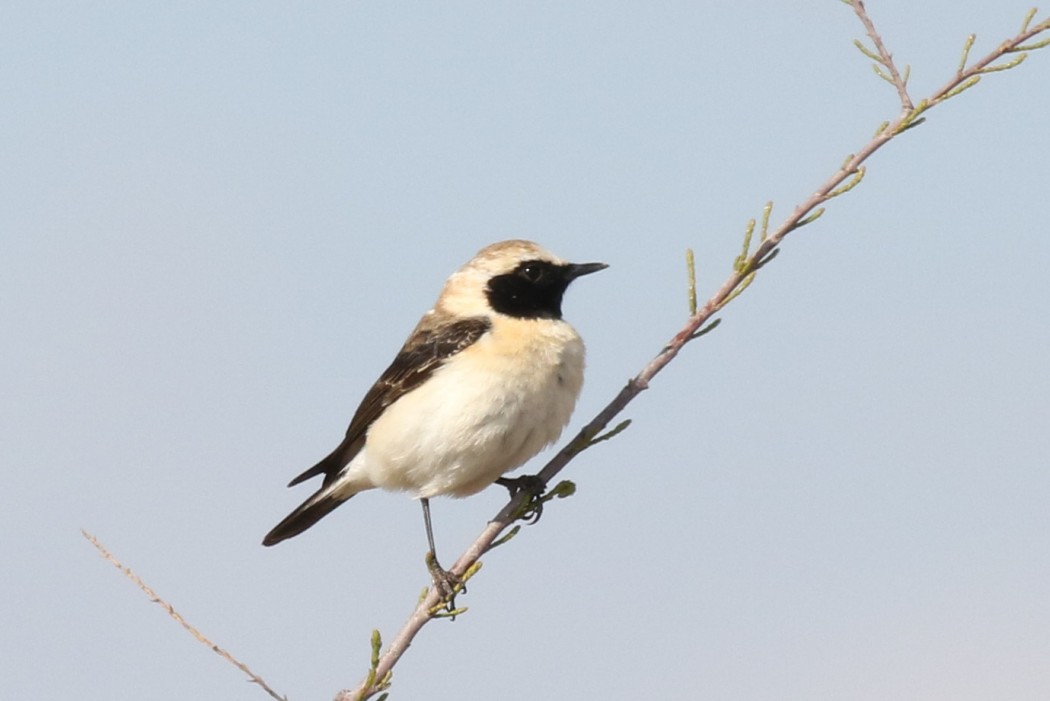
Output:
x,y
484,412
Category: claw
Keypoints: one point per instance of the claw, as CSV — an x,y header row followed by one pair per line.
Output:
x,y
531,485
446,583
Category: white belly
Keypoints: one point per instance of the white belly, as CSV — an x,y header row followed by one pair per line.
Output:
x,y
485,412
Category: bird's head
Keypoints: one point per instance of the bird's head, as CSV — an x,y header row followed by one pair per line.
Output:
x,y
516,278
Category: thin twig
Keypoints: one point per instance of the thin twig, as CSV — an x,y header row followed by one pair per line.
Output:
x,y
847,176
252,676
885,57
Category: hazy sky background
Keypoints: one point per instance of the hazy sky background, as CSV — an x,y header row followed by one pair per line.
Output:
x,y
220,221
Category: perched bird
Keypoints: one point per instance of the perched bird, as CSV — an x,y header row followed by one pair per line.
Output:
x,y
487,379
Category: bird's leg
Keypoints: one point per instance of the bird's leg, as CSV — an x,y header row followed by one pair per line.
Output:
x,y
445,582
531,485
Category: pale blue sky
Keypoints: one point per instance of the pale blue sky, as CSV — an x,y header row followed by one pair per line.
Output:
x,y
219,224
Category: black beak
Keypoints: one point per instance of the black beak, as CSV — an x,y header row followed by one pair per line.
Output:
x,y
575,270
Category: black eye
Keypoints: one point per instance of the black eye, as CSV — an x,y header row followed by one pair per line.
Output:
x,y
532,272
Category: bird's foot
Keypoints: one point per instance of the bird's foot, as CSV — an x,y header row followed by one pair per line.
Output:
x,y
532,509
446,583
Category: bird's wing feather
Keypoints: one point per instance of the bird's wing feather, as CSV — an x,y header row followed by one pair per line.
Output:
x,y
429,347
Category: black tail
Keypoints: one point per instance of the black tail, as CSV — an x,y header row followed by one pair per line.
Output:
x,y
333,463
307,514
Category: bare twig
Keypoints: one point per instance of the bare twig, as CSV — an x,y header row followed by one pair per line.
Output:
x,y
884,57
745,268
252,676
848,176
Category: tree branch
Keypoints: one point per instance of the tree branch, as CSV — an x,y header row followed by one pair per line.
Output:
x,y
252,676
843,180
884,57
745,268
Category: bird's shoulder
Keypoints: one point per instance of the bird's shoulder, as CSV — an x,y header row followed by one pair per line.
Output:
x,y
432,343
435,339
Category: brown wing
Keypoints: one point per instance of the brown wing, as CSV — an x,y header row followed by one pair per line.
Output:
x,y
425,351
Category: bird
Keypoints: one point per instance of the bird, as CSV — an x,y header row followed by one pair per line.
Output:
x,y
489,377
